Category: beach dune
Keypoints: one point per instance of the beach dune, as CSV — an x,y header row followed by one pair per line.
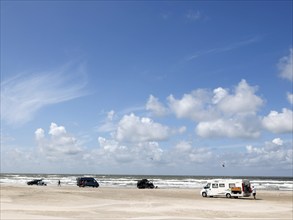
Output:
x,y
70,202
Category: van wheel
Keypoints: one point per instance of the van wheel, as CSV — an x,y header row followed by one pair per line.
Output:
x,y
204,194
228,195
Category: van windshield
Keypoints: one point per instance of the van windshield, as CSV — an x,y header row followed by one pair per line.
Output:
x,y
207,186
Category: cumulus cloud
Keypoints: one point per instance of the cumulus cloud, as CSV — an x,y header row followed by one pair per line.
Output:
x,y
243,100
219,94
58,144
184,151
39,134
132,128
274,153
114,151
194,106
18,159
56,130
278,141
285,66
202,105
221,113
279,122
233,128
23,95
156,107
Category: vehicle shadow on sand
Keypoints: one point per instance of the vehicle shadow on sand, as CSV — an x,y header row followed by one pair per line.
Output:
x,y
239,198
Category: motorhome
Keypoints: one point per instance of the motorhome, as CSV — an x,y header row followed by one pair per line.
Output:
x,y
227,187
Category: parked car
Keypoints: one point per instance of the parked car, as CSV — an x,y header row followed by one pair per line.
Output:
x,y
87,181
145,184
38,182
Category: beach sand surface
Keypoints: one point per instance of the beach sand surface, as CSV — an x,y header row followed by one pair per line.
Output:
x,y
70,202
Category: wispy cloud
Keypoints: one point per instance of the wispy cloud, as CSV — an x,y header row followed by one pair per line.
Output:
x,y
166,15
229,47
285,66
194,15
191,15
23,95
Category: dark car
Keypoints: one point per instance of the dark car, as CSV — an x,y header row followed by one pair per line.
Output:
x,y
38,182
86,181
145,184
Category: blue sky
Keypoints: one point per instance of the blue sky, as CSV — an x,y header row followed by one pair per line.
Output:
x,y
147,87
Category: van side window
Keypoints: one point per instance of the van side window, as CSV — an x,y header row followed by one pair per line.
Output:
x,y
214,185
231,185
222,185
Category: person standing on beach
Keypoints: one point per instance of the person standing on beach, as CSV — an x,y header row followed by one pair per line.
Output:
x,y
59,183
254,192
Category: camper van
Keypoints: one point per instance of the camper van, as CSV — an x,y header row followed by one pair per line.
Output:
x,y
228,188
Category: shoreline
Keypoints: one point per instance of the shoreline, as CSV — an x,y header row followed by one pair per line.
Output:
x,y
130,181
68,202
131,187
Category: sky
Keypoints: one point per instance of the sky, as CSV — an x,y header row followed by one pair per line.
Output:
x,y
147,87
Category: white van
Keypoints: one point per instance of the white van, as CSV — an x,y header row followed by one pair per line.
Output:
x,y
228,188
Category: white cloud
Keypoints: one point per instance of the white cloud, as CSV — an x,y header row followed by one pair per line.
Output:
x,y
56,130
278,141
233,128
39,134
148,154
183,146
58,144
219,94
112,151
221,113
156,107
285,66
194,106
225,48
243,101
202,105
290,98
186,153
18,159
279,122
23,95
134,129
275,154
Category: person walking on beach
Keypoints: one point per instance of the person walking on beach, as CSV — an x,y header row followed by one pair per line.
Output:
x,y
254,192
59,183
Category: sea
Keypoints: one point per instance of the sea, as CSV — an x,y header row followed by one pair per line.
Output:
x,y
130,181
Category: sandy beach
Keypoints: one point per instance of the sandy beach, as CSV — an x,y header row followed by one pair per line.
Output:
x,y
70,202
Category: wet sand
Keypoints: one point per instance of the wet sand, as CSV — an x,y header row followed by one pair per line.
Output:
x,y
70,202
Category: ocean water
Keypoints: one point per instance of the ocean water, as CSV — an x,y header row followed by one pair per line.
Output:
x,y
129,181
